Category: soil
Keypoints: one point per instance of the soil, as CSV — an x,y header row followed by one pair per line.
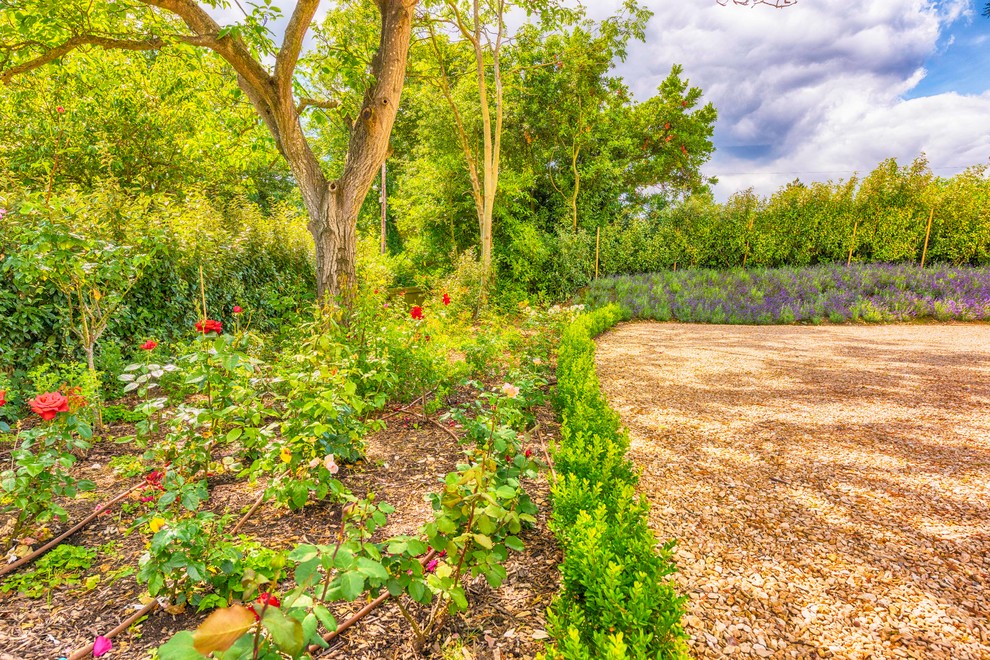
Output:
x,y
828,486
403,464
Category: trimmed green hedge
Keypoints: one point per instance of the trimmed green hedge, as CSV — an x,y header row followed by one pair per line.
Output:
x,y
616,600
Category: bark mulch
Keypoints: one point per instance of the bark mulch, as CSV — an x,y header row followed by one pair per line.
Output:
x,y
828,486
404,463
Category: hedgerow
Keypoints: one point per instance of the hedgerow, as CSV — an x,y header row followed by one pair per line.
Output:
x,y
616,600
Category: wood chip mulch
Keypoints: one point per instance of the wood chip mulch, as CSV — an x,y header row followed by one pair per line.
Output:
x,y
828,486
404,463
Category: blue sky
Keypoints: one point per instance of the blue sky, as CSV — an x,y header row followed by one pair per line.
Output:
x,y
961,60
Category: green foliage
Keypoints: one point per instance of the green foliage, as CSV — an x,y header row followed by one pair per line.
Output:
x,y
40,472
63,564
190,555
93,275
882,218
264,266
616,599
127,465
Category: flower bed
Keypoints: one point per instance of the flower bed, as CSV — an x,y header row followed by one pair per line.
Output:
x,y
225,423
874,293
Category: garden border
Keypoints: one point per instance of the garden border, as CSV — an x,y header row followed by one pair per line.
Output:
x,y
616,598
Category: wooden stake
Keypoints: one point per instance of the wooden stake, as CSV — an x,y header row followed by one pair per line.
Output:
x,y
244,518
384,207
852,244
928,232
202,291
598,241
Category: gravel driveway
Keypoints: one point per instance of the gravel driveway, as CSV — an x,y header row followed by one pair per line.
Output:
x,y
829,486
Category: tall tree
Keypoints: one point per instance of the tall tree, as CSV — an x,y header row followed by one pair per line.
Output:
x,y
34,33
481,25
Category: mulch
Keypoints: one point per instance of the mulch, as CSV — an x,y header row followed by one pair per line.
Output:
x,y
403,464
829,487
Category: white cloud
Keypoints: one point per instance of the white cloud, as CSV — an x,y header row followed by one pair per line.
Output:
x,y
814,90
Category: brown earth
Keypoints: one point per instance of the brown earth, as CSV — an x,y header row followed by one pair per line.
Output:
x,y
828,486
403,464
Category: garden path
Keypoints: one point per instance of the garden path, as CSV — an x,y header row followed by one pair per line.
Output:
x,y
829,486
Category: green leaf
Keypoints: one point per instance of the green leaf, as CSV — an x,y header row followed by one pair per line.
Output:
x,y
513,543
323,614
180,647
287,633
351,585
372,569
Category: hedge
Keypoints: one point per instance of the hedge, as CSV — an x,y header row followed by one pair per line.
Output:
x,y
616,598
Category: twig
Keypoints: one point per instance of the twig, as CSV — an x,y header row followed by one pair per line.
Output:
x,y
780,481
445,430
85,651
407,407
546,454
51,544
244,518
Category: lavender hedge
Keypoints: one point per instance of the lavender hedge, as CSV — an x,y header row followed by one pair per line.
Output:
x,y
873,293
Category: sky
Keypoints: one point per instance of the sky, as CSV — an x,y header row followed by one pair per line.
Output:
x,y
822,89
825,88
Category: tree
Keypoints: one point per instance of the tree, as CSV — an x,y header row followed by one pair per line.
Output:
x,y
605,155
482,26
34,33
142,123
569,91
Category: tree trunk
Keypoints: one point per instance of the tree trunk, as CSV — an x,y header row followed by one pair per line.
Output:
x,y
333,206
335,235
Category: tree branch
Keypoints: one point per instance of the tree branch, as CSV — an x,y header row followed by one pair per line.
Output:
x,y
316,103
288,54
151,43
205,31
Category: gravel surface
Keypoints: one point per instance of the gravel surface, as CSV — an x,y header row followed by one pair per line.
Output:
x,y
828,485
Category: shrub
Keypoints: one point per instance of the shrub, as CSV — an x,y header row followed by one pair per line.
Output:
x,y
616,600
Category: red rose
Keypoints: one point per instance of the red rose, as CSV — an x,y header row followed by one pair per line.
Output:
x,y
237,309
49,404
446,299
60,109
666,126
683,148
268,599
208,326
3,398
149,345
265,599
416,312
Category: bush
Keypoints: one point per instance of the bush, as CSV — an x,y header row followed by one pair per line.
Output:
x,y
261,262
616,600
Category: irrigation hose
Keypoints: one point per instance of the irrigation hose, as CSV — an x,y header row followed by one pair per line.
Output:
x,y
51,544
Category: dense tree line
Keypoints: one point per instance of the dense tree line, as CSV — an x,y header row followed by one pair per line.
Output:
x,y
883,217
